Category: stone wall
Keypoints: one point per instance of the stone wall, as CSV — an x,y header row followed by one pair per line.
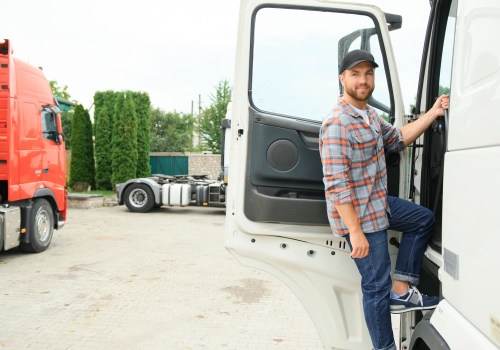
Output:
x,y
201,164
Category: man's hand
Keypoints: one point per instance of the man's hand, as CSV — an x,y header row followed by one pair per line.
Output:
x,y
440,105
360,245
413,130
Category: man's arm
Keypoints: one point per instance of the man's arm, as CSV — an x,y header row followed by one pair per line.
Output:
x,y
336,151
412,131
359,243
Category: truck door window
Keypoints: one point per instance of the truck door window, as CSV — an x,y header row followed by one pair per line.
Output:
x,y
49,125
295,60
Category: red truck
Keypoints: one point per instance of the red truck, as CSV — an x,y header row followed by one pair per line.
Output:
x,y
33,198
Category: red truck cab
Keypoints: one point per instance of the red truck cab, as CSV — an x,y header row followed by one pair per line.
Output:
x,y
32,156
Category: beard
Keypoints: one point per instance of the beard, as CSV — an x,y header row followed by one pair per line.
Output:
x,y
362,96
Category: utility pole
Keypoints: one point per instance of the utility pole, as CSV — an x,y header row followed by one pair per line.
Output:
x,y
196,136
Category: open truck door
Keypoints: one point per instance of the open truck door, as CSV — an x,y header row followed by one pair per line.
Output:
x,y
286,82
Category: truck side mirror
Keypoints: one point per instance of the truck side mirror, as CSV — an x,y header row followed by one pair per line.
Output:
x,y
58,139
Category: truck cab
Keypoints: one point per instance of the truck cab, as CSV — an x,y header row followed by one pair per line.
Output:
x,y
286,81
32,156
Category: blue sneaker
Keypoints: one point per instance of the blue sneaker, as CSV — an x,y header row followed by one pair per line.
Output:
x,y
412,300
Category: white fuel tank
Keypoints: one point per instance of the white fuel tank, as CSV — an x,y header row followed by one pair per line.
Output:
x,y
176,194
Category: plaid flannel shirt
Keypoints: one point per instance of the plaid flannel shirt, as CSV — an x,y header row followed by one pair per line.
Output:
x,y
354,169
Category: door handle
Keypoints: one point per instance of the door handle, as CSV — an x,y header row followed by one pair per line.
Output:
x,y
46,170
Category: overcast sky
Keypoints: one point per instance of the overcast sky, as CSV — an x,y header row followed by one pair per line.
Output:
x,y
172,49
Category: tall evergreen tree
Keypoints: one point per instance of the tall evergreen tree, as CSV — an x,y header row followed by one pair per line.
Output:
x,y
82,168
124,141
98,104
103,148
102,99
104,107
142,112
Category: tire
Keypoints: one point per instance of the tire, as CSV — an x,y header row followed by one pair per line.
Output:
x,y
139,198
41,227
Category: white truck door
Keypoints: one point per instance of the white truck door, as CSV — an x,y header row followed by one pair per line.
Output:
x,y
286,81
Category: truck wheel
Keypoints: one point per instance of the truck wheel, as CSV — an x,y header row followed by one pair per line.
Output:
x,y
139,198
41,227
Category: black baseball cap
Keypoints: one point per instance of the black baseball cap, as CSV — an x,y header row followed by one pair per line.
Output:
x,y
354,58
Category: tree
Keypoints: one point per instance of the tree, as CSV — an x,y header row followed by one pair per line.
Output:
x,y
124,142
103,148
59,91
66,118
104,108
171,132
442,90
98,105
210,121
104,99
412,106
82,168
142,111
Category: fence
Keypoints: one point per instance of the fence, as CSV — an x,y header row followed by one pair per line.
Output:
x,y
170,163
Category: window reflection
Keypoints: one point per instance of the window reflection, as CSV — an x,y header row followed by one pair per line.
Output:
x,y
296,59
49,125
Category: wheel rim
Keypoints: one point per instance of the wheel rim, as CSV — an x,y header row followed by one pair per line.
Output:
x,y
138,198
43,225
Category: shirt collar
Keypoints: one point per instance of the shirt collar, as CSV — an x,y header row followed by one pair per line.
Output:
x,y
348,109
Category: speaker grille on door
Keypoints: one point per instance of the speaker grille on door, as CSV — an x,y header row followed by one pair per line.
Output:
x,y
282,155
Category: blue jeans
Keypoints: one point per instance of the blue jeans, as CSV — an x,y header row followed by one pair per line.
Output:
x,y
416,224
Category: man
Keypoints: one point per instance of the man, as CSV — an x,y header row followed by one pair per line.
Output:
x,y
352,142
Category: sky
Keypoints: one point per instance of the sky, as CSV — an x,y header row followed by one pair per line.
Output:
x,y
175,50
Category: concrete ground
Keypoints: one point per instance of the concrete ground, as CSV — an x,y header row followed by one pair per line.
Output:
x,y
113,279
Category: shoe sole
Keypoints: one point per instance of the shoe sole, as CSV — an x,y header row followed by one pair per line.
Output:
x,y
413,309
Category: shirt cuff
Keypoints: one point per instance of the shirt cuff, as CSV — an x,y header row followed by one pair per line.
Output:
x,y
401,143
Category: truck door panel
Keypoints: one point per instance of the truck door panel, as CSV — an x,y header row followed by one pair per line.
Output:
x,y
293,86
30,153
54,158
286,82
285,182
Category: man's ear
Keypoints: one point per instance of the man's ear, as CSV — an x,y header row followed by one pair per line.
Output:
x,y
341,78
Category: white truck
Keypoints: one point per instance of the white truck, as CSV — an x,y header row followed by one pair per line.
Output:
x,y
286,80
